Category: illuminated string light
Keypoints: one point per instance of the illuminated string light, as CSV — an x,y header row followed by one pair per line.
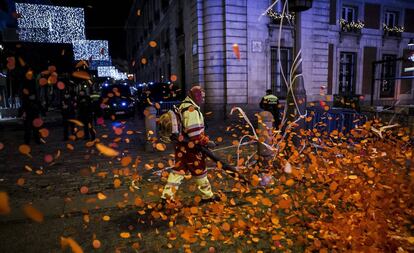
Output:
x,y
91,50
111,71
95,64
47,23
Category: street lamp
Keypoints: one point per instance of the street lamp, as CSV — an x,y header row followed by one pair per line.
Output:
x,y
298,87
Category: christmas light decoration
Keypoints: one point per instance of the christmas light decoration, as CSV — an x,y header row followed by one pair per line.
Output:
x,y
90,50
47,23
95,64
111,71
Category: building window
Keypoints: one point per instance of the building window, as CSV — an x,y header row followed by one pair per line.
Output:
x,y
391,18
349,13
347,73
278,84
388,74
391,24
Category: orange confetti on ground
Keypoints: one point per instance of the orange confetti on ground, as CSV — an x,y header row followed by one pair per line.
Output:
x,y
152,43
138,202
106,218
117,183
4,203
125,161
70,146
33,213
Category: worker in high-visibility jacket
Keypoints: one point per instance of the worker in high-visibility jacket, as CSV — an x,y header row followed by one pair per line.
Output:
x,y
187,157
270,103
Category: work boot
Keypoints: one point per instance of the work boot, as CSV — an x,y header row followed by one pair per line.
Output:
x,y
215,198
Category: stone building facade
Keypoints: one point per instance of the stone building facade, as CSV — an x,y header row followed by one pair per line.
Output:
x,y
196,42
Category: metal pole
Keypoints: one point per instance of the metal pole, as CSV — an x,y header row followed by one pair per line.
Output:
x,y
373,82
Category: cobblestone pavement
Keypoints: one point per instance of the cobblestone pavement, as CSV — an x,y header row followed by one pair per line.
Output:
x,y
54,188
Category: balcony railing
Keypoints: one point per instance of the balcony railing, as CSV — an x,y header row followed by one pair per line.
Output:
x,y
395,31
351,26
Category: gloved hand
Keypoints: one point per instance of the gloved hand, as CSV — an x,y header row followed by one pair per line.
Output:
x,y
211,144
204,140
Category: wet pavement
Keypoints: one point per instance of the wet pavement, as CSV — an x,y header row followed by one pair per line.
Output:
x,y
55,188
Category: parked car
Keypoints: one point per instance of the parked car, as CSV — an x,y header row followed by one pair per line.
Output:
x,y
118,99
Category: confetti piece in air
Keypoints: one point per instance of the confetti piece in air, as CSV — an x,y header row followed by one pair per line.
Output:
x,y
20,181
48,158
33,213
76,122
96,244
84,189
25,149
61,85
42,81
74,246
160,146
236,50
152,43
173,78
4,203
81,75
106,150
125,235
101,196
144,61
44,133
125,161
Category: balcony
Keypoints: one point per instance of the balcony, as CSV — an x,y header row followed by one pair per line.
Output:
x,y
277,17
392,31
350,28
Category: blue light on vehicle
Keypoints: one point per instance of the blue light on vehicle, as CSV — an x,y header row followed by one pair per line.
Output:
x,y
123,103
114,104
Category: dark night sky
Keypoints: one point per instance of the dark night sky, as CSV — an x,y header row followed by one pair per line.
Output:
x,y
104,20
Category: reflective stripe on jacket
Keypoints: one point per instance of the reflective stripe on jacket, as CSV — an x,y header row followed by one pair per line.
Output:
x,y
192,119
270,99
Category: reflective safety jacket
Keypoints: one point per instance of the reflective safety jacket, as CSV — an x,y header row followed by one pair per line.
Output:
x,y
192,119
269,102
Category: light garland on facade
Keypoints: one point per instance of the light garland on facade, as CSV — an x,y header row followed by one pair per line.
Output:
x,y
93,65
351,26
278,16
111,71
47,23
395,29
91,50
